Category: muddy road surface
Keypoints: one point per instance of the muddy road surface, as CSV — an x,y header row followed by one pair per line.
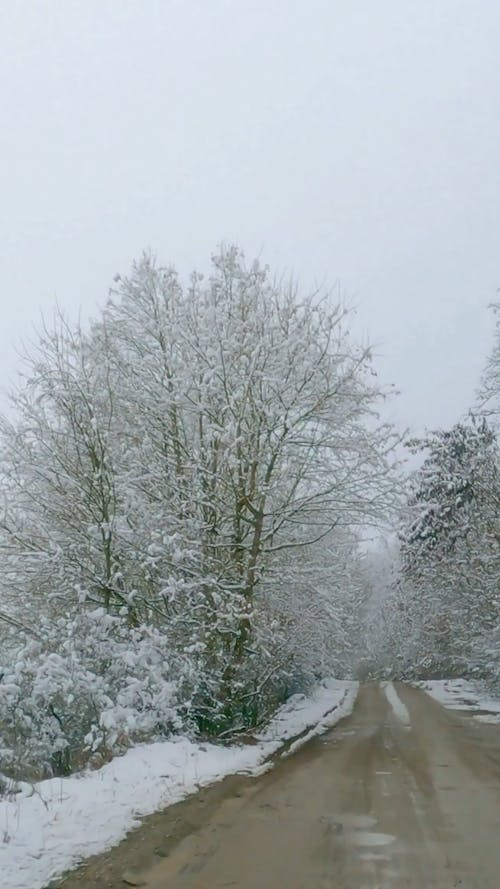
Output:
x,y
400,795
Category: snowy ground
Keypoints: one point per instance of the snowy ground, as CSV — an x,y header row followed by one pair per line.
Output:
x,y
48,828
398,708
462,694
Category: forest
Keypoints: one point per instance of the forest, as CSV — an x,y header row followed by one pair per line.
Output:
x,y
191,486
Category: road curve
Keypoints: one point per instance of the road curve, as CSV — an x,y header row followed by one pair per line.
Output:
x,y
401,795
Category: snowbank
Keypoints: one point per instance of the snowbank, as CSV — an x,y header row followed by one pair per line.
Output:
x,y
462,694
398,708
303,718
50,827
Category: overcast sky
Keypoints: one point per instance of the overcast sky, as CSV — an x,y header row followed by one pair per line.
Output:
x,y
353,141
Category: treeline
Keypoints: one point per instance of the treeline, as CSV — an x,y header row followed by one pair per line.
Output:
x,y
442,616
182,484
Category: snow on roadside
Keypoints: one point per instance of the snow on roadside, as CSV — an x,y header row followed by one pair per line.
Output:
x,y
463,694
398,708
49,828
302,712
303,718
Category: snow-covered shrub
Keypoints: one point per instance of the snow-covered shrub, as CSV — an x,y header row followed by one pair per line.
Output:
x,y
91,688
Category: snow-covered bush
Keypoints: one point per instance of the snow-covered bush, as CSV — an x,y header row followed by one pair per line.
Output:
x,y
86,688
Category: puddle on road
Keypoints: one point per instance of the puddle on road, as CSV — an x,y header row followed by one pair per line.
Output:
x,y
358,830
371,838
373,856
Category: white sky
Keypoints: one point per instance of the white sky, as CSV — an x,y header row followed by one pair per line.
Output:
x,y
354,141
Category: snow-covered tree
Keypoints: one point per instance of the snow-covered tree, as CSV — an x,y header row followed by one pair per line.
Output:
x,y
194,465
449,592
488,401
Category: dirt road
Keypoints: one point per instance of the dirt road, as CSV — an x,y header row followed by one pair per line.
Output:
x,y
401,795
